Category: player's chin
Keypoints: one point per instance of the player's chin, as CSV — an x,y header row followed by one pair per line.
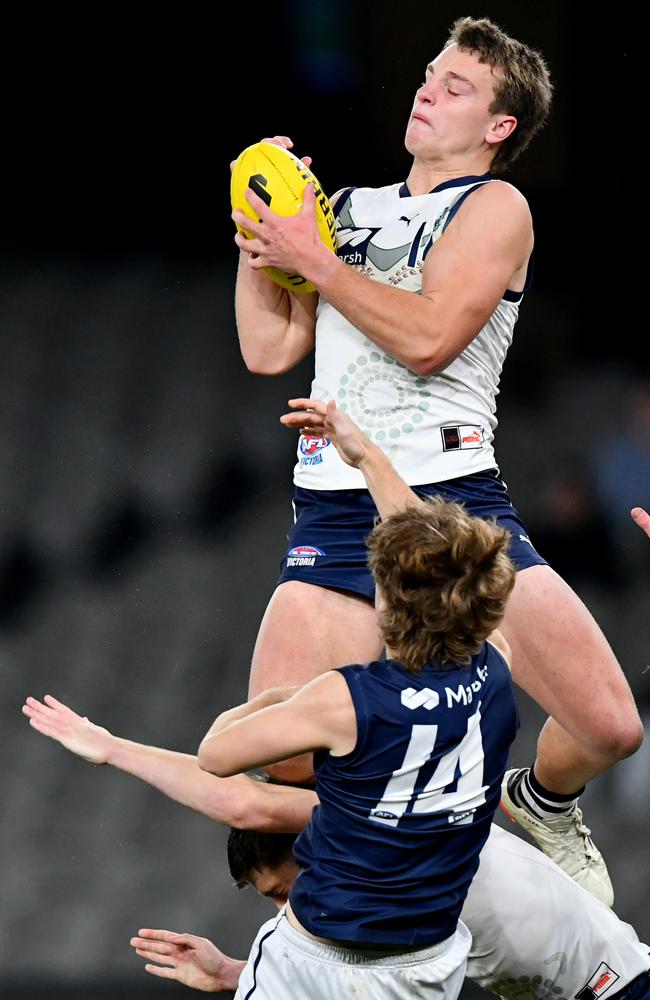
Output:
x,y
411,142
417,136
297,771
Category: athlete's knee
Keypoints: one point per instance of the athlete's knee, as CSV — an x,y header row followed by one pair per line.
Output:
x,y
622,737
630,736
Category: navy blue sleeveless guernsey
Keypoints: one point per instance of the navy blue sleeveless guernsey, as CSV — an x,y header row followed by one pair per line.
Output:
x,y
390,852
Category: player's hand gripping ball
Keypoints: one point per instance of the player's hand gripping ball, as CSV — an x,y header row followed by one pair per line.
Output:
x,y
280,179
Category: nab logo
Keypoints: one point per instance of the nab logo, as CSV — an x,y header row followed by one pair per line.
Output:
x,y
426,698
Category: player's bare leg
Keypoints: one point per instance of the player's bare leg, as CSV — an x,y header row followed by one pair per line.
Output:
x,y
305,631
562,659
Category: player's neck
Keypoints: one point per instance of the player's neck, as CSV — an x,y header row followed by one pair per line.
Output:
x,y
424,177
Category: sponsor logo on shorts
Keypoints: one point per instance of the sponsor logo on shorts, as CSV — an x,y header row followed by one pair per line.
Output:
x,y
310,449
303,555
461,437
601,981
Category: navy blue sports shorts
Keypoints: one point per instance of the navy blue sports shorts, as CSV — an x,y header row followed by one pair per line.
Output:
x,y
638,989
327,541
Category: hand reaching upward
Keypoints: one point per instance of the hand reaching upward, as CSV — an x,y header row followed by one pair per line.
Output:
x,y
313,416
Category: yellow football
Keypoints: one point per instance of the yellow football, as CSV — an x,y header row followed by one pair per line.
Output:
x,y
280,178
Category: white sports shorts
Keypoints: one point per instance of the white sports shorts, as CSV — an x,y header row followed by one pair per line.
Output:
x,y
286,965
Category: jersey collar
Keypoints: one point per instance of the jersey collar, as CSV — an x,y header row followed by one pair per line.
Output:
x,y
454,182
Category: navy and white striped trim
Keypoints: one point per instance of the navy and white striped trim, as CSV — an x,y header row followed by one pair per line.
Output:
x,y
454,208
454,182
342,201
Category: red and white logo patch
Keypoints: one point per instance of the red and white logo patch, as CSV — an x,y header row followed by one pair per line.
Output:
x,y
461,436
601,981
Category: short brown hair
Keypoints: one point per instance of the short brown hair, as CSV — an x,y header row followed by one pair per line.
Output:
x,y
522,82
445,578
251,850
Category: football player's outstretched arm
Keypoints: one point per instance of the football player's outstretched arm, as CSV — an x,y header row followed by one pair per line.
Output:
x,y
236,801
387,488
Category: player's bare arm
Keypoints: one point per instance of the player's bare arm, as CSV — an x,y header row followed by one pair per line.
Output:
x,y
272,696
275,328
465,275
319,716
236,801
498,639
188,959
386,486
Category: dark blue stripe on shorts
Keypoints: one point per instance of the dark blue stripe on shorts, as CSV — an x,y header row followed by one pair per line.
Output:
x,y
327,542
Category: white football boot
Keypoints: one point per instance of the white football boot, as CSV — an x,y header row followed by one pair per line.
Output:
x,y
565,841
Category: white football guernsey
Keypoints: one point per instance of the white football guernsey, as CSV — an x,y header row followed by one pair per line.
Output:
x,y
537,935
433,427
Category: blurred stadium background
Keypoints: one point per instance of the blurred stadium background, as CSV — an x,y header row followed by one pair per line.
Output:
x,y
146,485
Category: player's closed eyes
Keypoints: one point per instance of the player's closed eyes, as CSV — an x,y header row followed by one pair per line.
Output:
x,y
454,93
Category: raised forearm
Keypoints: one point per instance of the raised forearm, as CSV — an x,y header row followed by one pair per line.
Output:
x,y
272,696
237,801
389,491
262,314
271,323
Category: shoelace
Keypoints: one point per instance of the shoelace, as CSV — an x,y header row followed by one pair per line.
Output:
x,y
584,831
